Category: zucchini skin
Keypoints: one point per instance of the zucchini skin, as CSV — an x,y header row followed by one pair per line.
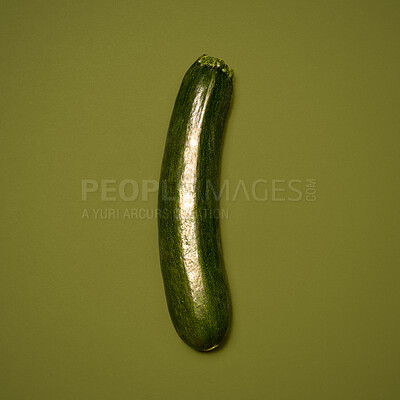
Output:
x,y
191,257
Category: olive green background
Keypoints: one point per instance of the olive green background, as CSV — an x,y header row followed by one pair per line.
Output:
x,y
87,89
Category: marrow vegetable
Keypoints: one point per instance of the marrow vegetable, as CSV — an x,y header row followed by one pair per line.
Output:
x,y
191,258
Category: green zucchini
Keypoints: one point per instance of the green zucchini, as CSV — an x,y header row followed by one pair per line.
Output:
x,y
191,258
